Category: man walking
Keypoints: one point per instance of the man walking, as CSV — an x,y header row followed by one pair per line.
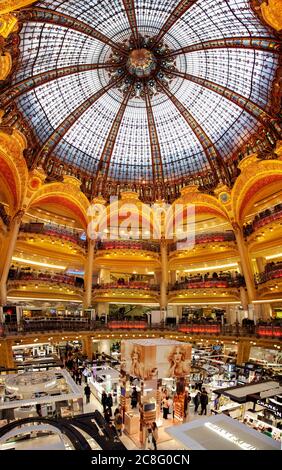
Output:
x,y
204,399
87,393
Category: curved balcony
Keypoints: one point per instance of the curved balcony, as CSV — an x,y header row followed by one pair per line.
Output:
x,y
133,245
127,325
272,272
207,238
265,217
199,329
135,291
211,329
44,285
132,285
200,282
67,235
42,277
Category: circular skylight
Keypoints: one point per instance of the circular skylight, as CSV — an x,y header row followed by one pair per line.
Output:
x,y
143,90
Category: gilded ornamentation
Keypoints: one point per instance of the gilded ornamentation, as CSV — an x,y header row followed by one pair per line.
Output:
x,y
11,5
8,24
67,193
272,13
13,166
5,65
255,175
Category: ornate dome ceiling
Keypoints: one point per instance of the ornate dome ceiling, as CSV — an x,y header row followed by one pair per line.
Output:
x,y
143,90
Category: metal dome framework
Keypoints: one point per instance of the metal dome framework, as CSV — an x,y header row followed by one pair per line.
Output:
x,y
212,87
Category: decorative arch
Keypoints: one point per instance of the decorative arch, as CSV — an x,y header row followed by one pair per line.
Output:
x,y
255,176
13,169
204,204
66,194
111,214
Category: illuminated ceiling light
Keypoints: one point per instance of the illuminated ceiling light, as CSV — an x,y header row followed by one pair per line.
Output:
x,y
43,298
37,263
279,255
222,266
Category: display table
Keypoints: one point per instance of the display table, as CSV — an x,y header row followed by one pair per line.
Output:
x,y
131,423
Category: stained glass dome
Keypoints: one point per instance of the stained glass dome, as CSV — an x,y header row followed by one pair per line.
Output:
x,y
143,90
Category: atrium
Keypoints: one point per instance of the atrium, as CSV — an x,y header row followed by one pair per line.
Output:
x,y
140,224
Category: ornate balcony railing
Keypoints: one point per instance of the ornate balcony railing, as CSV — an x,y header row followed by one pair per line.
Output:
x,y
138,285
56,231
200,283
44,324
128,245
207,238
263,218
272,273
18,276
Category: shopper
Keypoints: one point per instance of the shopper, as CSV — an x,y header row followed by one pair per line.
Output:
x,y
149,439
134,398
109,403
196,401
118,423
87,393
204,399
165,408
104,401
187,399
155,433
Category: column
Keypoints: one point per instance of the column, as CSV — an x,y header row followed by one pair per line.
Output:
x,y
172,276
88,274
6,354
245,262
8,251
104,276
87,347
164,274
261,262
244,298
266,310
103,310
19,312
243,353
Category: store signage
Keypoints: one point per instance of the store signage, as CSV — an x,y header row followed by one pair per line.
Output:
x,y
273,408
230,437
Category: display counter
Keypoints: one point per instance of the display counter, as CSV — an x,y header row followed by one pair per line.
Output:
x,y
255,421
131,423
107,380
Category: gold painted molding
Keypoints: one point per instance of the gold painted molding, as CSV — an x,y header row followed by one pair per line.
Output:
x,y
5,65
8,24
11,5
272,13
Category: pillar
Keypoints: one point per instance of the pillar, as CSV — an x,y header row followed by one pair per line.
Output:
x,y
243,353
88,275
87,347
245,262
19,312
6,354
172,276
261,262
164,274
104,276
244,298
103,309
7,253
